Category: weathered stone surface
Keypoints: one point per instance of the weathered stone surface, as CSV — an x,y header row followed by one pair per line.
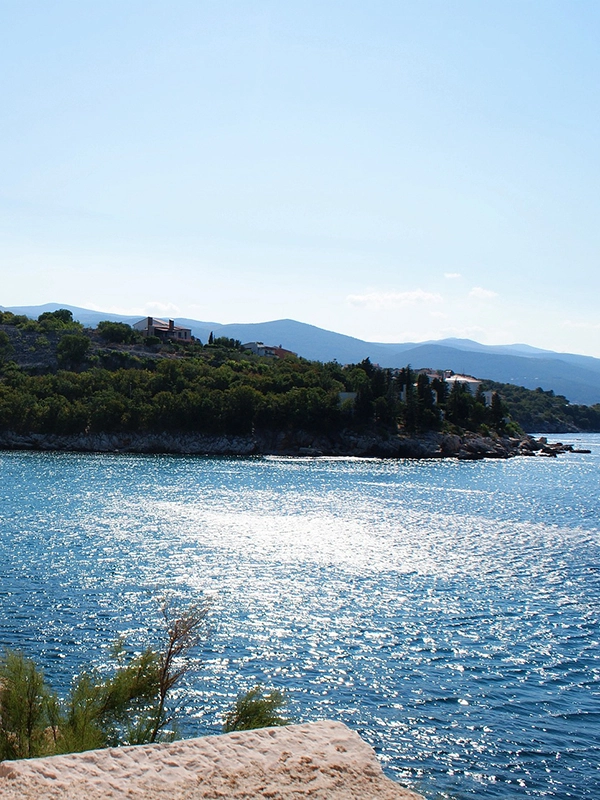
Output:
x,y
317,760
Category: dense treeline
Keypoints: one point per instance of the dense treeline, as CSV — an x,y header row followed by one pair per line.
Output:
x,y
216,389
176,395
112,380
236,396
540,411
61,320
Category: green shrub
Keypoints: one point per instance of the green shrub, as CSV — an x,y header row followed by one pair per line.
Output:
x,y
23,709
61,316
255,709
6,347
41,342
72,349
118,332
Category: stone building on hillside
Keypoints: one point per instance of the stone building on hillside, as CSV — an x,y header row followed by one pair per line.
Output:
x,y
167,331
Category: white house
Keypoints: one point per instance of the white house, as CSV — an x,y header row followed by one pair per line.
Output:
x,y
472,384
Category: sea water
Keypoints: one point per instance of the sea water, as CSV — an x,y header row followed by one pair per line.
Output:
x,y
447,611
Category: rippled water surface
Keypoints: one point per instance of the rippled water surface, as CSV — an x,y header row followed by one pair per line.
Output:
x,y
448,611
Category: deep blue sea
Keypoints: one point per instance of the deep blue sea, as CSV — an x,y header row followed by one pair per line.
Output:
x,y
448,611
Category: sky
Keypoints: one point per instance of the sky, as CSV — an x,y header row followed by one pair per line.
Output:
x,y
392,170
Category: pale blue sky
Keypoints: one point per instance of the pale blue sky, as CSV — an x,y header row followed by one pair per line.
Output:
x,y
391,170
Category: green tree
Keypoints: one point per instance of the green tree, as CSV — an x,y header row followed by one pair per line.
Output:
x,y
23,699
360,382
61,315
184,630
406,387
117,332
108,711
440,387
428,415
498,412
60,320
458,405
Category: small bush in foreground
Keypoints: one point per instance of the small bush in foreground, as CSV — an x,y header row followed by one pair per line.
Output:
x,y
255,709
24,700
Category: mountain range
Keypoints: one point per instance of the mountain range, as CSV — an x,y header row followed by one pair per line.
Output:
x,y
575,376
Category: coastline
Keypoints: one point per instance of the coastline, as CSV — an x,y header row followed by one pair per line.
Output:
x,y
433,444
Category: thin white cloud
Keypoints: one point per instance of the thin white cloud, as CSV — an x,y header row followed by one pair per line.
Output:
x,y
451,276
393,299
586,326
156,307
482,294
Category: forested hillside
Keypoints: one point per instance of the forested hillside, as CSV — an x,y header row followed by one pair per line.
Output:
x,y
111,380
58,378
575,376
539,411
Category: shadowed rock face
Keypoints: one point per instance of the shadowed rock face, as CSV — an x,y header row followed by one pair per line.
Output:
x,y
321,760
33,351
470,446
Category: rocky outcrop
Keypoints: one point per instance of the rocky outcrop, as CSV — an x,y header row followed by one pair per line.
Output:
x,y
541,447
318,760
433,444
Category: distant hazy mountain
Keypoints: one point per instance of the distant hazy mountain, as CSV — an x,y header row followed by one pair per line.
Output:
x,y
575,376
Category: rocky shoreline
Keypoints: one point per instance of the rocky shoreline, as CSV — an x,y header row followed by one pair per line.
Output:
x,y
469,446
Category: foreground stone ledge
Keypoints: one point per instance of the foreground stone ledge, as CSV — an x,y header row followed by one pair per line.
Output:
x,y
319,760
